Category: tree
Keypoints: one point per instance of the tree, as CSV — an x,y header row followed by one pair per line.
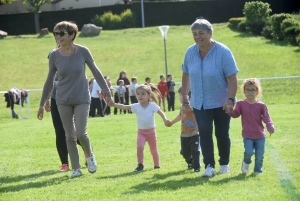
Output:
x,y
34,6
7,1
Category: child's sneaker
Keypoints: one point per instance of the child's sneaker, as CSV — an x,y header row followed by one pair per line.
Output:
x,y
156,167
76,173
64,168
92,164
209,171
224,169
139,168
245,167
257,173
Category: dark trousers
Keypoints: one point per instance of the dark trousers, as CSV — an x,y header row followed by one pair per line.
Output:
x,y
133,99
205,120
96,104
61,144
121,101
190,150
171,101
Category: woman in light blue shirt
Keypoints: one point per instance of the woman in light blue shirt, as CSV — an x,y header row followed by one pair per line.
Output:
x,y
209,71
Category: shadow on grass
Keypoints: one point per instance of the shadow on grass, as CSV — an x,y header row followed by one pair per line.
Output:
x,y
156,182
10,185
127,174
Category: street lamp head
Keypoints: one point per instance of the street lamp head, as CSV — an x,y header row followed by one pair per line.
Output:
x,y
164,31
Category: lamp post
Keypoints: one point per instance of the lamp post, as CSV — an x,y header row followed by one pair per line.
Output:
x,y
164,30
142,10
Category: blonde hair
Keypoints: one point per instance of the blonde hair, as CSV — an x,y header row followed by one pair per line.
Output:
x,y
255,82
152,91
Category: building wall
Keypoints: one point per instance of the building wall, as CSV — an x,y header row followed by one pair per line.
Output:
x,y
19,7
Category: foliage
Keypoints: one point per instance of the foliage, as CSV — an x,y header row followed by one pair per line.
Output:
x,y
276,21
128,19
256,14
112,21
7,1
291,33
267,32
242,26
34,5
233,22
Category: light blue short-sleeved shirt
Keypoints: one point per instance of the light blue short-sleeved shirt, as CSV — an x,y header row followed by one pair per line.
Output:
x,y
208,83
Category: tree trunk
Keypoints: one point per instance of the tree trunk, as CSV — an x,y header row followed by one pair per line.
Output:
x,y
37,22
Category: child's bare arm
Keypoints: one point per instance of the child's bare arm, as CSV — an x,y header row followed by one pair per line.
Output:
x,y
162,115
178,118
121,106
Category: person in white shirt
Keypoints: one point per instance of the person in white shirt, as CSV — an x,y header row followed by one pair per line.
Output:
x,y
96,101
120,96
132,89
144,111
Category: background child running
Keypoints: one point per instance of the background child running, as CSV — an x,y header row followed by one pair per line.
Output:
x,y
163,88
171,97
253,113
189,137
120,96
145,110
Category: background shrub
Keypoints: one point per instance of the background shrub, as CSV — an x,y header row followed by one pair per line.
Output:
x,y
267,32
128,19
291,34
234,22
276,21
298,39
112,21
257,14
242,26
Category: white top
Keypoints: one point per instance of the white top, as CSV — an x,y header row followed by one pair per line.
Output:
x,y
133,87
121,90
95,88
145,116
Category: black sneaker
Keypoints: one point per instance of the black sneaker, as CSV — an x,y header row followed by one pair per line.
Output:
x,y
197,170
139,168
156,167
190,166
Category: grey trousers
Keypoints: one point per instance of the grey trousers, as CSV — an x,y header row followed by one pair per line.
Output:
x,y
74,119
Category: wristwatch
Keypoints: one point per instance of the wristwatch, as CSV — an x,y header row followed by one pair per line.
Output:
x,y
233,100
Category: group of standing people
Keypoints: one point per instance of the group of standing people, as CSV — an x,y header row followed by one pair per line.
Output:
x,y
208,96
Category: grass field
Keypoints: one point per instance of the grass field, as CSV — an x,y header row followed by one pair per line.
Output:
x,y
29,159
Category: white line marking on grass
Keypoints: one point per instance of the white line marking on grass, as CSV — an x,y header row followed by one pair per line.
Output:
x,y
285,178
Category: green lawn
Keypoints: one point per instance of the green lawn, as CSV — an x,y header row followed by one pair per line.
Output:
x,y
29,162
29,159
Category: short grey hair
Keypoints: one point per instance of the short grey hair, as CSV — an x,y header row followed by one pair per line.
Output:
x,y
202,24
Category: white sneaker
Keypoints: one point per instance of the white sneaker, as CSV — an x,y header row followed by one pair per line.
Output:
x,y
76,173
91,163
224,169
245,167
209,172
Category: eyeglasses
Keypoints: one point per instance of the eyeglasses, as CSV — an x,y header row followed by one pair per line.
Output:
x,y
61,34
250,91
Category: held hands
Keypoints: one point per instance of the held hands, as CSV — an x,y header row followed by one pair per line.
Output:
x,y
185,100
109,100
228,107
168,123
